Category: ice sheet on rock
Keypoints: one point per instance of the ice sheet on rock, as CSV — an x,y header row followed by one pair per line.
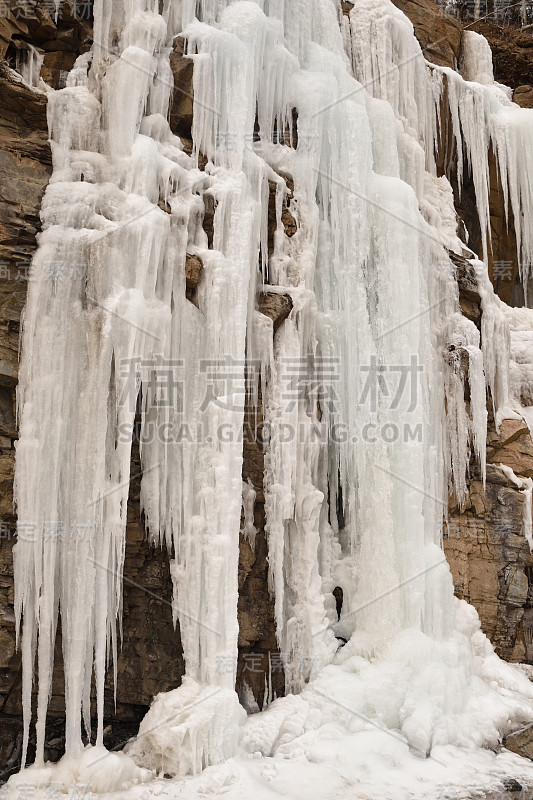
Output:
x,y
388,61
496,343
97,770
467,430
520,321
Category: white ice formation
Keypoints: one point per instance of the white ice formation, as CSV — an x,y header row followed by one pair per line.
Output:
x,y
355,496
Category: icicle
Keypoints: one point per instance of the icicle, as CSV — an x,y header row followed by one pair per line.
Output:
x,y
29,61
249,530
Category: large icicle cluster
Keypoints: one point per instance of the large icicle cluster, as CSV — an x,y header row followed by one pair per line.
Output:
x,y
355,496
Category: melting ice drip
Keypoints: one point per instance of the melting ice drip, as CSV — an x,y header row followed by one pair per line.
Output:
x,y
29,62
372,287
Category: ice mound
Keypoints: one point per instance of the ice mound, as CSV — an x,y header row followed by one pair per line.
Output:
x,y
422,692
188,729
96,769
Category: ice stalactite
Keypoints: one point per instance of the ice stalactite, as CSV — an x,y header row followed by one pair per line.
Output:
x,y
112,315
467,427
361,386
29,61
249,531
485,120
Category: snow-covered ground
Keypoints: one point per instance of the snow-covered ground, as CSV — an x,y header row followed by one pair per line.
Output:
x,y
371,765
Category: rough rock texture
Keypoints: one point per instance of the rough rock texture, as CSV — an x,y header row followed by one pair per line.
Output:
x,y
60,42
491,562
521,742
523,95
193,274
469,297
182,99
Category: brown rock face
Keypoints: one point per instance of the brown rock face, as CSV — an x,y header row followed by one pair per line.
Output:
x,y
59,41
276,306
182,98
521,742
25,164
523,95
260,668
469,298
193,273
491,563
512,446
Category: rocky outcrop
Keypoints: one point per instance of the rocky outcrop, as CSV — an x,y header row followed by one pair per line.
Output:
x,y
489,556
469,297
523,95
193,273
60,40
521,742
182,96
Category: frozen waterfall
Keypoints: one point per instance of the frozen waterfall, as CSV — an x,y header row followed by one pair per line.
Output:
x,y
356,493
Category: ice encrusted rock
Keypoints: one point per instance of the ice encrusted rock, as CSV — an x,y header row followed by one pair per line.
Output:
x,y
188,729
